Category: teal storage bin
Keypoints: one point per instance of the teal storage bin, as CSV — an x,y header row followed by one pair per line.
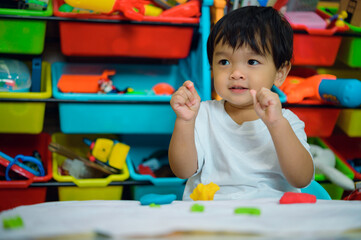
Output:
x,y
141,147
23,36
126,113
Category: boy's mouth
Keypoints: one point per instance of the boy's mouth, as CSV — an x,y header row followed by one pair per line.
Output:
x,y
238,89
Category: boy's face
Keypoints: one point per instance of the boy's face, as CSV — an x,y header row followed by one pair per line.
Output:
x,y
237,71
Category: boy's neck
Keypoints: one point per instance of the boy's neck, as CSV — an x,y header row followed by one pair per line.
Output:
x,y
240,115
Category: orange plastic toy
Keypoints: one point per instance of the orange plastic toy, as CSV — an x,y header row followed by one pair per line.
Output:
x,y
110,6
83,83
298,88
189,9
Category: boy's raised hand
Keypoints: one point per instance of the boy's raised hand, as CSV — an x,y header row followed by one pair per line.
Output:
x,y
267,105
186,101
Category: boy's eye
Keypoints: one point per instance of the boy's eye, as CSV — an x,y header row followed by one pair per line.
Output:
x,y
253,62
224,62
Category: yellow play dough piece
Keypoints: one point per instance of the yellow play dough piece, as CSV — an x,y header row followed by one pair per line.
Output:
x,y
204,192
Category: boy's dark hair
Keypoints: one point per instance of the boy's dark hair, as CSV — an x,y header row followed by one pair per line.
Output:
x,y
263,29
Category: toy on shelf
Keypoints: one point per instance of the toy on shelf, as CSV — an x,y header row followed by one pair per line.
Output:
x,y
337,20
14,76
69,83
20,164
204,192
189,9
325,162
166,4
325,87
98,165
110,6
110,152
163,89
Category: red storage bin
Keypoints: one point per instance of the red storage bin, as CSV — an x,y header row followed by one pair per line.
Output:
x,y
149,40
347,148
17,192
320,121
318,47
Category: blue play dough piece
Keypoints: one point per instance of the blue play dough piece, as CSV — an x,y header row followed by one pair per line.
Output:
x,y
157,198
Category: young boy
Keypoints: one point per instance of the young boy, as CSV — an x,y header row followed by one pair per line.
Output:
x,y
245,143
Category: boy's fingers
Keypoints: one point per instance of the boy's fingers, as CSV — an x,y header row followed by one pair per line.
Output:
x,y
190,86
253,94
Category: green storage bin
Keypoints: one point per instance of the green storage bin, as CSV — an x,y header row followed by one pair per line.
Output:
x,y
350,48
333,190
23,36
26,116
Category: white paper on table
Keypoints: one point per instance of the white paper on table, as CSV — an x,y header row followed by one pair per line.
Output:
x,y
129,218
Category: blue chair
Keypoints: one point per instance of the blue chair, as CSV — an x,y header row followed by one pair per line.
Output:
x,y
316,189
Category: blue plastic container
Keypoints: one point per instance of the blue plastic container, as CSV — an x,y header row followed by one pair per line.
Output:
x,y
141,147
153,114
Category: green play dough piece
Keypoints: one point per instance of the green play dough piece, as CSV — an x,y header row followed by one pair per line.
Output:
x,y
248,210
13,222
153,205
197,208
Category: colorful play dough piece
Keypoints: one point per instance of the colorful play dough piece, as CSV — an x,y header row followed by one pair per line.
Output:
x,y
248,211
13,222
204,192
157,199
292,197
197,208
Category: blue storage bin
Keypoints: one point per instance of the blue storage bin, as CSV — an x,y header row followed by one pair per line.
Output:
x,y
141,147
153,114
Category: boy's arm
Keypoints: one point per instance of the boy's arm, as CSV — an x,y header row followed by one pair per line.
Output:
x,y
182,151
295,161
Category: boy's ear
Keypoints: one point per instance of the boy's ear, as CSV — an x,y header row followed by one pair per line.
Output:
x,y
282,74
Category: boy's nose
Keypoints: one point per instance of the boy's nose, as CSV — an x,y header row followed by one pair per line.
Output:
x,y
236,74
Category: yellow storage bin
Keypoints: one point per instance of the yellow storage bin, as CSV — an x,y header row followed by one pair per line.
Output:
x,y
349,121
90,188
25,117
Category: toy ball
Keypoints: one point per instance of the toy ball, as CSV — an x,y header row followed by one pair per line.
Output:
x,y
14,76
163,89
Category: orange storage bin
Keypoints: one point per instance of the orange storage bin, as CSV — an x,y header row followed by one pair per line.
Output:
x,y
318,46
347,148
153,37
17,192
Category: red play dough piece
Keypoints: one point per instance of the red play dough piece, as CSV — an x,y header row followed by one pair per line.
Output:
x,y
292,197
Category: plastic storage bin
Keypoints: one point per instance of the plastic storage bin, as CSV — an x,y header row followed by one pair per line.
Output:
x,y
160,37
134,113
350,48
318,47
334,190
347,148
23,36
26,117
18,192
141,147
319,122
88,188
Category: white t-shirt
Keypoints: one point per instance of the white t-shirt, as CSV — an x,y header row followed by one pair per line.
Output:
x,y
240,159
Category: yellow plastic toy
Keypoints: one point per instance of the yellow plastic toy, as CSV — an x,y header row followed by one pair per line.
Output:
x,y
110,152
204,192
